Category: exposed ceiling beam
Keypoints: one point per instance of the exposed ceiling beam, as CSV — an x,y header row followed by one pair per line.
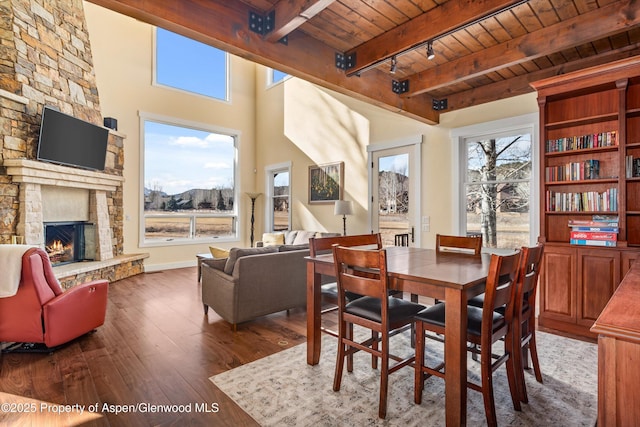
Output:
x,y
427,26
603,22
224,25
290,14
520,85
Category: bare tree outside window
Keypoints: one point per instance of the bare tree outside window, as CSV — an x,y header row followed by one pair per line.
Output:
x,y
498,190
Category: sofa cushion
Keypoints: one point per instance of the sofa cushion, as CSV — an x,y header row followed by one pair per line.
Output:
x,y
218,252
272,239
285,248
236,253
303,237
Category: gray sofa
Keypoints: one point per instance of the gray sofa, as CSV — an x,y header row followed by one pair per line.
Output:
x,y
260,281
257,281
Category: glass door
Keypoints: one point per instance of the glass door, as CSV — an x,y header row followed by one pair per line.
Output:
x,y
393,195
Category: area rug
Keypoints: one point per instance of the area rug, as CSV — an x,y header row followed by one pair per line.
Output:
x,y
282,390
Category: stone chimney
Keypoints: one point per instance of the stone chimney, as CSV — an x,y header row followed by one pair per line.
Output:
x,y
45,59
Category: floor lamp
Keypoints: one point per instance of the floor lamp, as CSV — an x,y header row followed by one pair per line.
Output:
x,y
253,197
344,208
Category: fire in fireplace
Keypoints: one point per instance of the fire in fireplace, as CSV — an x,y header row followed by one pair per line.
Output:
x,y
67,242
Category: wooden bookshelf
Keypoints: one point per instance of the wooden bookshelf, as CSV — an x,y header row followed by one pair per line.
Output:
x,y
578,280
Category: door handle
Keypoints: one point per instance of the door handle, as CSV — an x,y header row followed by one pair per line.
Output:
x,y
413,232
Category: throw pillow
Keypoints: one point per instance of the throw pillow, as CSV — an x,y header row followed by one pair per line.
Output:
x,y
236,253
272,239
290,236
219,252
303,237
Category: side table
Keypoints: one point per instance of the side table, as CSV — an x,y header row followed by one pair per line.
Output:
x,y
200,258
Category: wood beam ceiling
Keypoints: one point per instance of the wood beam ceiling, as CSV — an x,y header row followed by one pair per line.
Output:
x,y
581,29
290,14
425,27
224,25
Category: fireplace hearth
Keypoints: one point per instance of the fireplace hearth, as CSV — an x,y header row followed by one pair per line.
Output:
x,y
68,242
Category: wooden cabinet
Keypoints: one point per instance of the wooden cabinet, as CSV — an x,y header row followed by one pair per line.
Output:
x,y
576,284
589,138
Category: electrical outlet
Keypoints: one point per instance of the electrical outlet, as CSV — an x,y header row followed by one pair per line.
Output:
x,y
425,228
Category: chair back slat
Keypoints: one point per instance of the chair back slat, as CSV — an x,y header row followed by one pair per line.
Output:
x,y
528,274
320,245
361,271
500,289
468,244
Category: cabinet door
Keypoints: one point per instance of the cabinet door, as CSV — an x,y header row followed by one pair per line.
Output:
x,y
558,284
628,258
598,277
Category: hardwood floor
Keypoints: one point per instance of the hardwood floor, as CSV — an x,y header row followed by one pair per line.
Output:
x,y
156,348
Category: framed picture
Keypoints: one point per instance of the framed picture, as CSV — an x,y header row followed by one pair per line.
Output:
x,y
325,182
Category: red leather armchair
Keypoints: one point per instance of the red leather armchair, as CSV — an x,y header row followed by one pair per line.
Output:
x,y
41,312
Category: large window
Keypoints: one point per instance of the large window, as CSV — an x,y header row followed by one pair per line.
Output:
x,y
186,64
189,183
497,186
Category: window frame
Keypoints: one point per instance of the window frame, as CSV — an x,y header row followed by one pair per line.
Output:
x,y
204,127
154,74
270,171
459,138
271,82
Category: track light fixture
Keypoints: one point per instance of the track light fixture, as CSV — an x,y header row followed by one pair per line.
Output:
x,y
430,53
394,64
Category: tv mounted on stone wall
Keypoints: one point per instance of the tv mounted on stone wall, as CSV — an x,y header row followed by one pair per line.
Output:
x,y
69,141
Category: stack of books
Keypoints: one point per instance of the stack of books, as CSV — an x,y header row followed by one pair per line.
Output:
x,y
600,230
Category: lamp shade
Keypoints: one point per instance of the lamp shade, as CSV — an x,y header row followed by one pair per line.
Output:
x,y
343,207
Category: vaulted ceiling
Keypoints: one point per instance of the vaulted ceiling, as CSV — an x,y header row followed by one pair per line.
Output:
x,y
484,49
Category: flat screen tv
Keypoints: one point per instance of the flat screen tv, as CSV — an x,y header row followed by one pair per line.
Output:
x,y
69,141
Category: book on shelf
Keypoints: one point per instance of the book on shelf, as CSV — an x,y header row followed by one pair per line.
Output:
x,y
603,229
585,242
596,140
596,221
632,166
593,235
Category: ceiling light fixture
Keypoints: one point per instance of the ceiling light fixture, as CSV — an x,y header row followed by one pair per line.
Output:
x,y
394,64
430,53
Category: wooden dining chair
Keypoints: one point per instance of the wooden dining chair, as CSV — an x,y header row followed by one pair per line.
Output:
x,y
525,311
484,327
467,244
365,272
329,291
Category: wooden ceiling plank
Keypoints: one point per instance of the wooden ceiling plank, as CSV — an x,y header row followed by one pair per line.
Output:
x,y
429,25
495,30
565,9
546,12
520,85
290,14
527,17
303,56
599,23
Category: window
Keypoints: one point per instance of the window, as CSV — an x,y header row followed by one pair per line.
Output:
x,y
189,183
275,76
497,183
186,64
497,188
279,193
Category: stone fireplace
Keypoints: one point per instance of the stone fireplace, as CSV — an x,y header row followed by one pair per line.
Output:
x,y
52,194
46,60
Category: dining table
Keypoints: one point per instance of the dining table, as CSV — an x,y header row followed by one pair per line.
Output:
x,y
450,276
